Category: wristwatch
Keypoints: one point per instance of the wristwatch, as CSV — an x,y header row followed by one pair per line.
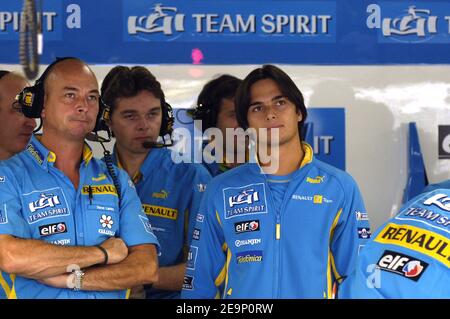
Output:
x,y
79,275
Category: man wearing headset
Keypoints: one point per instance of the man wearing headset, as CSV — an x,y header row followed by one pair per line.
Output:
x,y
68,229
16,129
215,109
170,192
15,133
287,227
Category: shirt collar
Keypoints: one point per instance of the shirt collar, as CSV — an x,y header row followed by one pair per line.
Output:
x,y
44,157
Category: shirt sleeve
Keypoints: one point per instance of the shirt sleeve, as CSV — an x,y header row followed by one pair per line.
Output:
x,y
199,184
351,232
206,260
135,228
11,218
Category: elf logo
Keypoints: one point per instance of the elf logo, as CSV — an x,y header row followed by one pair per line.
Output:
x,y
246,226
403,265
51,229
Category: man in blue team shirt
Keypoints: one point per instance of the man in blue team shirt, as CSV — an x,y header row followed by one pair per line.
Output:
x,y
215,109
409,256
15,133
67,228
170,193
289,227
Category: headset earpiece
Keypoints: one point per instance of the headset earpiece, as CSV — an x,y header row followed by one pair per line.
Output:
x,y
168,119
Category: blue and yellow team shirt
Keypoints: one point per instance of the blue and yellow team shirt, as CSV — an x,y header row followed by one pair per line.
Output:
x,y
37,201
261,236
408,256
170,194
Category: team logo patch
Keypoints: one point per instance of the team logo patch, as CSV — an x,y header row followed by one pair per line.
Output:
x,y
43,204
51,229
246,226
252,256
201,187
403,265
2,179
246,200
192,258
364,233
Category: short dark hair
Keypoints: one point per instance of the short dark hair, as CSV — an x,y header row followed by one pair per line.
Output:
x,y
285,84
124,82
210,99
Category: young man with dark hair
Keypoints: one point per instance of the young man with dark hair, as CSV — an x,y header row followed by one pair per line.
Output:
x,y
170,193
69,227
288,232
215,109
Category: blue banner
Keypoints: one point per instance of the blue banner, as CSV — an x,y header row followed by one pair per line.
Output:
x,y
236,32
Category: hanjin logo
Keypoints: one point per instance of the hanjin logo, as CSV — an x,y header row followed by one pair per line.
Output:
x,y
162,20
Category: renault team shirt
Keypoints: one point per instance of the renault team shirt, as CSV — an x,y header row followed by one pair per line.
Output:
x,y
170,194
256,239
37,201
409,256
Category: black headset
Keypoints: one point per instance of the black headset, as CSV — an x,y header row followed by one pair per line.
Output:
x,y
167,119
31,99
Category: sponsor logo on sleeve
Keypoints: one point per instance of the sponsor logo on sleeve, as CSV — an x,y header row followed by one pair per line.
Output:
x,y
146,223
3,215
196,234
188,282
246,200
403,265
200,218
364,233
192,258
361,216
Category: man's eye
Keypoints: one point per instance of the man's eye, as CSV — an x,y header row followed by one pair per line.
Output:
x,y
70,95
256,108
